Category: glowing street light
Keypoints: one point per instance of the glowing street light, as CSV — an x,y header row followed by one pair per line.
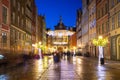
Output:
x,y
38,46
74,49
100,42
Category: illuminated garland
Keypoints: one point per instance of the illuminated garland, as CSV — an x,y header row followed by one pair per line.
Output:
x,y
100,41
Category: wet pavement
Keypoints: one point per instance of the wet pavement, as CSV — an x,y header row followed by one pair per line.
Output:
x,y
78,68
30,70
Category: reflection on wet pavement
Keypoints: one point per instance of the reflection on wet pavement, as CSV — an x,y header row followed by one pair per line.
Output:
x,y
32,70
78,68
63,71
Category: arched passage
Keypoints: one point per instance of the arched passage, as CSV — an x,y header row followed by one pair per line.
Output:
x,y
118,48
60,49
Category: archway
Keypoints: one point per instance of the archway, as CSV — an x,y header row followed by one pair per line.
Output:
x,y
118,48
60,49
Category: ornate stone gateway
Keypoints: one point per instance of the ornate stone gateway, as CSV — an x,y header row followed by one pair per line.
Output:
x,y
60,37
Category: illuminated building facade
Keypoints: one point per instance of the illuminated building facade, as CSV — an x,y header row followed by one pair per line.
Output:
x,y
79,29
60,37
41,31
92,26
21,26
48,42
114,26
85,27
73,40
4,25
34,24
102,23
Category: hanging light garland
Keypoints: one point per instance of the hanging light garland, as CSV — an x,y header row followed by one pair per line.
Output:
x,y
100,41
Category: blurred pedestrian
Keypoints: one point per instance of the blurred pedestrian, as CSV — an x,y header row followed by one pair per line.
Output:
x,y
56,58
68,55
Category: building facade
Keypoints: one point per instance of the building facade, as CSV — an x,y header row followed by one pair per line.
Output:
x,y
92,26
21,26
79,29
60,37
85,28
4,26
102,23
103,20
60,42
42,32
73,40
34,28
48,42
114,25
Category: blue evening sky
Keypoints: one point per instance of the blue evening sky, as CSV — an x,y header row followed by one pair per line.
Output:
x,y
53,9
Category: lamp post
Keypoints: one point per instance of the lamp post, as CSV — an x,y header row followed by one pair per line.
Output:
x,y
74,50
38,47
100,42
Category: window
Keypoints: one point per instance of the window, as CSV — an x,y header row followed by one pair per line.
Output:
x,y
13,34
14,2
18,6
98,14
118,1
103,28
4,15
13,17
22,22
106,8
23,37
22,10
107,27
4,39
113,3
102,11
18,37
113,23
18,20
99,29
113,46
119,19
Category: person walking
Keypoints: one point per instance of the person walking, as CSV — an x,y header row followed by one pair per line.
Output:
x,y
68,55
56,58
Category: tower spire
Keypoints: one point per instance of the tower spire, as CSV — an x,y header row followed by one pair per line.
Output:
x,y
60,19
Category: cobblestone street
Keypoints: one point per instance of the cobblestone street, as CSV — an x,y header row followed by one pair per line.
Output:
x,y
78,68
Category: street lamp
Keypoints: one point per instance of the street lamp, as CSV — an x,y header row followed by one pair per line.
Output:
x,y
74,50
38,47
100,42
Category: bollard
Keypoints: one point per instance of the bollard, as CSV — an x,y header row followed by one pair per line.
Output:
x,y
102,61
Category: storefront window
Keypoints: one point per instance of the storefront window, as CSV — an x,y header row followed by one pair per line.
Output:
x,y
4,39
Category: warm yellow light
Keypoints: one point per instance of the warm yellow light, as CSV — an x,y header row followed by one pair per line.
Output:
x,y
100,37
36,45
33,45
74,47
60,33
79,45
40,43
100,41
60,42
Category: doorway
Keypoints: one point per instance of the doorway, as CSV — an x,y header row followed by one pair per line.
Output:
x,y
60,49
118,48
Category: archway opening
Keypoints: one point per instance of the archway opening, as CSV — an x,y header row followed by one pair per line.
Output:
x,y
60,49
